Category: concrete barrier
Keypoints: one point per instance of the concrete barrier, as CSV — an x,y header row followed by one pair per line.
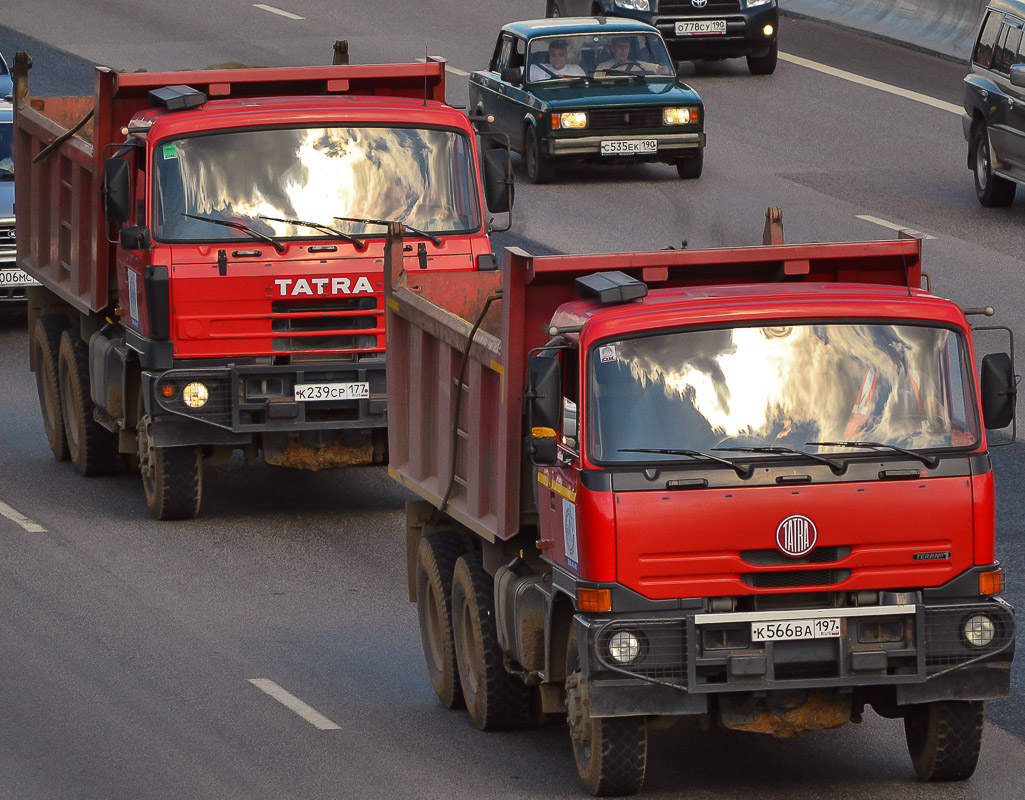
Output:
x,y
945,27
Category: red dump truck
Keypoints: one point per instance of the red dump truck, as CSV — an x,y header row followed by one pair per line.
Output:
x,y
210,247
749,485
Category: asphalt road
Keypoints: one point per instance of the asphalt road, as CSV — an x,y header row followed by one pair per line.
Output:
x,y
128,646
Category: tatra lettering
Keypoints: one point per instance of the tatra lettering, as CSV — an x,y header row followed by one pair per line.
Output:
x,y
293,287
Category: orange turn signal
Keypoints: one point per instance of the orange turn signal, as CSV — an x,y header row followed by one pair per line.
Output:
x,y
594,599
991,582
167,390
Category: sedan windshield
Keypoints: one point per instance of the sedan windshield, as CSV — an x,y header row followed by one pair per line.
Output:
x,y
781,386
606,55
424,178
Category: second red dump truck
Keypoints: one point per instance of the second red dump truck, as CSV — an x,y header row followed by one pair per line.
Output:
x,y
210,247
748,485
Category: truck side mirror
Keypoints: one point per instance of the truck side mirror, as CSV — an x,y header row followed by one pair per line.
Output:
x,y
999,392
136,237
498,182
544,408
116,191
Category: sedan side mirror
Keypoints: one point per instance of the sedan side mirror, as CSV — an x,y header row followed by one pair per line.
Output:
x,y
512,75
1018,75
999,392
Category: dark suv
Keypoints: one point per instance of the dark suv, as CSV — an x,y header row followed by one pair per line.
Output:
x,y
994,102
696,29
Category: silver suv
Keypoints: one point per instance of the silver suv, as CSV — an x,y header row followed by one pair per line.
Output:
x,y
994,102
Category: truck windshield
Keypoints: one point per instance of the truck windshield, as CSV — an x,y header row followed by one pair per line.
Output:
x,y
423,177
904,385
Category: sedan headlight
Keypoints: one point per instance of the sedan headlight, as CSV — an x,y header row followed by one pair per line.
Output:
x,y
195,395
680,116
571,119
639,5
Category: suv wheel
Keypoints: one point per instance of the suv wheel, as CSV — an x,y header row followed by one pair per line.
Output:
x,y
764,64
992,190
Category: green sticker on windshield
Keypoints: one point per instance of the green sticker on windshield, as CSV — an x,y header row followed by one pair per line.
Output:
x,y
170,151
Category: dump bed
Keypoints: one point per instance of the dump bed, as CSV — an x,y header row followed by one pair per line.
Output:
x,y
473,470
61,143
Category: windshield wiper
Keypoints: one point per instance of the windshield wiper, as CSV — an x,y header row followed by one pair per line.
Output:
x,y
416,231
929,461
834,465
742,470
240,227
317,226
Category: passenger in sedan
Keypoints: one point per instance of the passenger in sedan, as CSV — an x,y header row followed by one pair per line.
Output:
x,y
558,65
623,59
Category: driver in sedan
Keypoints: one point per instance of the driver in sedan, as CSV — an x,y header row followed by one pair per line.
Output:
x,y
620,49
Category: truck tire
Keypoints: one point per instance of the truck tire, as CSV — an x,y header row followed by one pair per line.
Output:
x,y
92,448
436,563
992,190
496,699
172,478
611,753
537,164
944,738
46,342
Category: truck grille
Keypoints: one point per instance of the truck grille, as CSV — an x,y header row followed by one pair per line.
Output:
x,y
944,642
350,323
638,117
663,656
792,579
774,558
684,8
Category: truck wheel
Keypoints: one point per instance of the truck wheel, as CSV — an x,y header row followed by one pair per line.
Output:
x,y
46,342
496,699
691,167
611,752
944,738
92,448
538,166
436,562
764,65
992,190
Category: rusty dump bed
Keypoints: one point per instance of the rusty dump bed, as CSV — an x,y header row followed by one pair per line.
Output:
x,y
62,240
430,318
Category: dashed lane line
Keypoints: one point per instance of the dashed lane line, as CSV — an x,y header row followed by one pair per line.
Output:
x,y
293,703
18,518
278,11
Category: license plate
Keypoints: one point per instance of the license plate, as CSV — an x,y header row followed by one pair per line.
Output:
x,y
785,629
311,392
15,277
628,147
701,27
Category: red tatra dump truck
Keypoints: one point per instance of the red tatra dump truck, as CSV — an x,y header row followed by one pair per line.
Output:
x,y
210,247
750,485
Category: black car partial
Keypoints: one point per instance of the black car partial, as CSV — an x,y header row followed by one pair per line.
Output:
x,y
696,29
588,89
994,103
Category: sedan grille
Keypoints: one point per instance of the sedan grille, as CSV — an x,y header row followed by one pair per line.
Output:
x,y
611,118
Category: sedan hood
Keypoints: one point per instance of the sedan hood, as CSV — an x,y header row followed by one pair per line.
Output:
x,y
614,93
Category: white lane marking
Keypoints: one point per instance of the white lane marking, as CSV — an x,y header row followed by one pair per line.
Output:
x,y
449,68
277,11
893,226
20,519
883,87
290,701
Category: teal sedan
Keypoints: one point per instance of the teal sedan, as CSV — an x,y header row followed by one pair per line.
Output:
x,y
588,89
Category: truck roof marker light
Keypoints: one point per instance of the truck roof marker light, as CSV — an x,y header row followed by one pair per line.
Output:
x,y
611,287
991,582
176,98
594,600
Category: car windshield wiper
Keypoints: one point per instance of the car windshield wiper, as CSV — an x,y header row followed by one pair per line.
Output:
x,y
317,226
415,231
240,227
929,461
834,465
742,470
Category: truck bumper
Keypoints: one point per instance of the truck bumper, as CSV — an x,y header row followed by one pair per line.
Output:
x,y
918,649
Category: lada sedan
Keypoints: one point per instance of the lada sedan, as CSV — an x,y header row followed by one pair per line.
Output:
x,y
588,89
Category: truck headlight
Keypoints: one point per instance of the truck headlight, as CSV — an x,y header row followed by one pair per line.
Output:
x,y
571,119
680,116
639,5
979,630
195,394
624,647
